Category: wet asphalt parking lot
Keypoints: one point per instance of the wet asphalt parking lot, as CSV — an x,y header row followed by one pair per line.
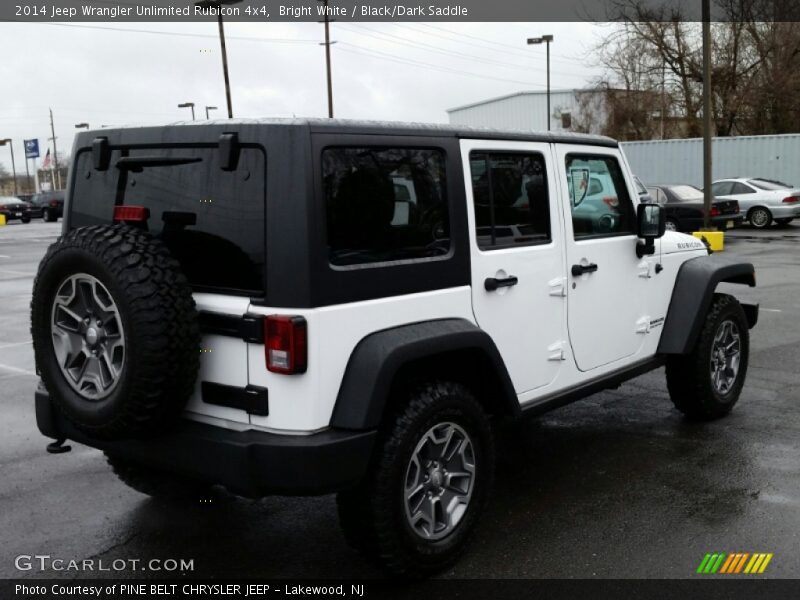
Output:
x,y
617,485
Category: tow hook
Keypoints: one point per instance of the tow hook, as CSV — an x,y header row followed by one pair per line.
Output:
x,y
58,447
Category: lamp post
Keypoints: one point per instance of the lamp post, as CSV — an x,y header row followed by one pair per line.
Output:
x,y
545,39
208,108
81,126
13,166
707,133
218,4
188,105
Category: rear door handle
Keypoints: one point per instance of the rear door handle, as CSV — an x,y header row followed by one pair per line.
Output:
x,y
578,270
492,283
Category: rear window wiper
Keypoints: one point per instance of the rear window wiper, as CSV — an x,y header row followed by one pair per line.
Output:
x,y
138,163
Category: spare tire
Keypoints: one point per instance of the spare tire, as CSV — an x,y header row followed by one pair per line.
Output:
x,y
115,331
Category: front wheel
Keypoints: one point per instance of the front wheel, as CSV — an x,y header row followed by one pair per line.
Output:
x,y
418,506
706,383
760,218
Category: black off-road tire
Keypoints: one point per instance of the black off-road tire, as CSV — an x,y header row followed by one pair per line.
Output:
x,y
373,515
163,485
689,379
159,320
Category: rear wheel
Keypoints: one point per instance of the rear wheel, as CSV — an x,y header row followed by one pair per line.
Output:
x,y
49,215
706,383
760,217
418,506
784,221
671,225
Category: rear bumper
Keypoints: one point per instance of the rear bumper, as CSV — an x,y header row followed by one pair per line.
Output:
x,y
250,463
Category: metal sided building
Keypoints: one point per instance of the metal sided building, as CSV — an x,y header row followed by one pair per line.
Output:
x,y
524,111
681,161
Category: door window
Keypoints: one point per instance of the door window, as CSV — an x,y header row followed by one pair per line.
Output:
x,y
512,206
721,188
740,188
598,210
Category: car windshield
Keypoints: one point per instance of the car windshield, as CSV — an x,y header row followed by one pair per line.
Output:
x,y
686,193
769,185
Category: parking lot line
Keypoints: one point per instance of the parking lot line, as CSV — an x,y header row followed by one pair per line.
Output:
x,y
13,344
16,370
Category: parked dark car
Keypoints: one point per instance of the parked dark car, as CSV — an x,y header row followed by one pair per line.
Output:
x,y
685,209
14,208
47,205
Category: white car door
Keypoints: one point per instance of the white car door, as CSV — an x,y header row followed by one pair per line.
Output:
x,y
516,237
607,281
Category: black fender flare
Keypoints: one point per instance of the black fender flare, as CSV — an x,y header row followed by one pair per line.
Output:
x,y
377,358
692,295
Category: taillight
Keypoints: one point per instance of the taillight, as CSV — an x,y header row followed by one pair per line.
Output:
x,y
285,344
791,199
131,213
3,207
715,211
54,203
611,201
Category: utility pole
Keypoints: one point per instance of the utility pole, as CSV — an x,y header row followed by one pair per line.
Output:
x,y
327,43
546,39
707,160
55,149
217,5
663,94
28,174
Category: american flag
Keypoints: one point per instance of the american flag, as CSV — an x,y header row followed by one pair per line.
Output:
x,y
46,162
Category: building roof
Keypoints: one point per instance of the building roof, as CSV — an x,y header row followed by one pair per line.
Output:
x,y
522,93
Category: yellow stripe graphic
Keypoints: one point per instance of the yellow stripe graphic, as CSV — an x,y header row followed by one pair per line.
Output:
x,y
765,563
753,562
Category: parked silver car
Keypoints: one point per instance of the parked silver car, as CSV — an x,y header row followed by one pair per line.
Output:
x,y
761,201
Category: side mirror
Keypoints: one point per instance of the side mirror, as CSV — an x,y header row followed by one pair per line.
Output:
x,y
651,224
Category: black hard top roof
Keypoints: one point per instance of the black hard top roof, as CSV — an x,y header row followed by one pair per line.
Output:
x,y
346,126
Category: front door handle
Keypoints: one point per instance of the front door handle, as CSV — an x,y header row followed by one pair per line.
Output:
x,y
492,283
578,270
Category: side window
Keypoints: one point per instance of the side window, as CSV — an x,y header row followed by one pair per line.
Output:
x,y
721,188
385,204
512,206
740,188
604,213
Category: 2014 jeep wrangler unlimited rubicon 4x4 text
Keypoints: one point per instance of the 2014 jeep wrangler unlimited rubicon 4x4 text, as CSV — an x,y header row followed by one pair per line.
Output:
x,y
306,307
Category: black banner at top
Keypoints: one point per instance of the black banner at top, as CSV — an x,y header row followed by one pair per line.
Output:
x,y
394,10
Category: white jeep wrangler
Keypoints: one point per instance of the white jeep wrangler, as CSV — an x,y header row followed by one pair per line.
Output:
x,y
306,307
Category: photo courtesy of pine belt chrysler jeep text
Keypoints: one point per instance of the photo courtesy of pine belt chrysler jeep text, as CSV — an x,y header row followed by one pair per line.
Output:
x,y
316,306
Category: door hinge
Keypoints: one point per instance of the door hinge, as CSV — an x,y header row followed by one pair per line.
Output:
x,y
556,351
558,287
643,325
644,269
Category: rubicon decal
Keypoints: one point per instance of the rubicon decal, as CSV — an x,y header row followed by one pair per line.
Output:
x,y
734,564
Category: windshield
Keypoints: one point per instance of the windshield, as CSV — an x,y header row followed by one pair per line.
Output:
x,y
686,193
768,184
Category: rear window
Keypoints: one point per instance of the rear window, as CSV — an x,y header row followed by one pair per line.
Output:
x,y
767,184
211,220
686,193
385,204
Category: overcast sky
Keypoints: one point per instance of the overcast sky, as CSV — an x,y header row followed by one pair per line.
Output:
x,y
99,74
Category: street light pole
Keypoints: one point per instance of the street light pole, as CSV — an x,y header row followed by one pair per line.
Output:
x,y
218,4
13,166
208,108
188,105
707,160
327,43
546,39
